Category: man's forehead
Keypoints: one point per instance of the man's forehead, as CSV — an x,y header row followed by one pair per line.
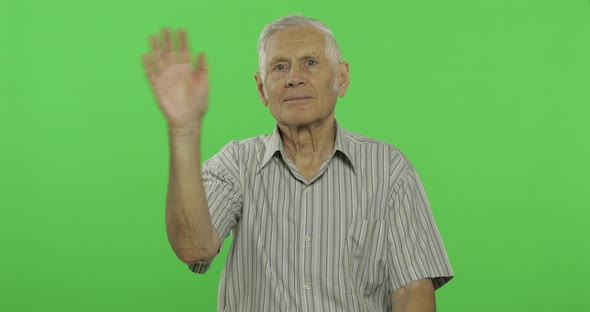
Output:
x,y
296,41
299,54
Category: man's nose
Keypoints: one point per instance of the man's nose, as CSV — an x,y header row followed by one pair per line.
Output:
x,y
295,77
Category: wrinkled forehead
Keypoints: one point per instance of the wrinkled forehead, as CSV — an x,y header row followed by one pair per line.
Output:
x,y
296,42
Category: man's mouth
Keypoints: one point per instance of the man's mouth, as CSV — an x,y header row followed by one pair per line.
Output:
x,y
297,98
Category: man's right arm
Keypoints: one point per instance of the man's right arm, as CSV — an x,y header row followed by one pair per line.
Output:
x,y
188,221
182,92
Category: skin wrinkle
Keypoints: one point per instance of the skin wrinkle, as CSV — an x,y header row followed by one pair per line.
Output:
x,y
299,67
301,95
332,51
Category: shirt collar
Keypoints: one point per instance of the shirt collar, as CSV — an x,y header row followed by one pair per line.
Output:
x,y
274,144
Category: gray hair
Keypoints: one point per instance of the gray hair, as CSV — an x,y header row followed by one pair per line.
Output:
x,y
291,21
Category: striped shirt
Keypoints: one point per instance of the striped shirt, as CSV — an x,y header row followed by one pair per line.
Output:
x,y
343,241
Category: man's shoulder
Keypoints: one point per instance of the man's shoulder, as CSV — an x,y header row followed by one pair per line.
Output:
x,y
249,144
359,141
235,150
368,152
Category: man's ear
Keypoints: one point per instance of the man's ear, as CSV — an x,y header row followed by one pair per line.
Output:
x,y
343,78
260,88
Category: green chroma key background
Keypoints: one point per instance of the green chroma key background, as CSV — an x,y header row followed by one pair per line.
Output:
x,y
488,99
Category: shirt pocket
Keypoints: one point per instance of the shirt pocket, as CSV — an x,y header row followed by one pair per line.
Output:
x,y
367,254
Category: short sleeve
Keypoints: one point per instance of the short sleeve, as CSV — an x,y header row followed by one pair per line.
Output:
x,y
224,199
416,248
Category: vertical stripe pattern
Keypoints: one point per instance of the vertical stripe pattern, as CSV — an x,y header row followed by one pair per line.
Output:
x,y
343,241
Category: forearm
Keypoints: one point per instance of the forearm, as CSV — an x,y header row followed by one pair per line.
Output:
x,y
188,221
418,298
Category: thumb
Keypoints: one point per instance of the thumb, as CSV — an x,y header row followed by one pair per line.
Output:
x,y
201,67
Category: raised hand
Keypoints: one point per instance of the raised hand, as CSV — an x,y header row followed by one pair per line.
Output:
x,y
182,91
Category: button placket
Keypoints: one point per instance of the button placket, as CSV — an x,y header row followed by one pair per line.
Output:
x,y
306,245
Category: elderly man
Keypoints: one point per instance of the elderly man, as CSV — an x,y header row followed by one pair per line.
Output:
x,y
323,219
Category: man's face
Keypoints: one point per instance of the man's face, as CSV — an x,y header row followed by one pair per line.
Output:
x,y
301,84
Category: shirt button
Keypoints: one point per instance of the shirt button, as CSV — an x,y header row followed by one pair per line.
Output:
x,y
307,238
306,287
308,190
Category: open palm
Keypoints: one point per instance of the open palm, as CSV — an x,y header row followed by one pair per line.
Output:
x,y
182,91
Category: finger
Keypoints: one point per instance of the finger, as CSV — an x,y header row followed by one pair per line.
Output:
x,y
167,41
184,53
156,51
154,43
202,64
149,66
182,40
167,48
201,67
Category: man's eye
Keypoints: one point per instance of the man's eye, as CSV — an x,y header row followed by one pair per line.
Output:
x,y
311,62
280,67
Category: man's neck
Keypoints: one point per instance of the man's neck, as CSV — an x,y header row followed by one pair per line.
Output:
x,y
309,144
